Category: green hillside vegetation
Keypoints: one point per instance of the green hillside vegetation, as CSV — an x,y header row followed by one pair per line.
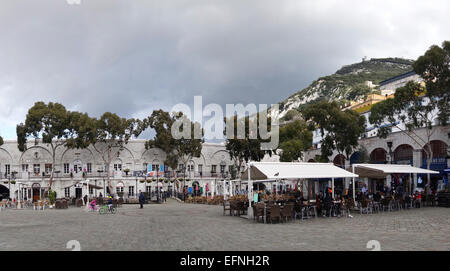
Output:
x,y
348,83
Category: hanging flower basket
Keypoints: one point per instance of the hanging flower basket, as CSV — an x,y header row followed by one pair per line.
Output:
x,y
13,182
5,182
172,180
166,181
149,181
142,181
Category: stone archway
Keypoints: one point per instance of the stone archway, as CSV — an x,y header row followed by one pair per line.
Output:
x,y
403,154
339,160
4,192
378,156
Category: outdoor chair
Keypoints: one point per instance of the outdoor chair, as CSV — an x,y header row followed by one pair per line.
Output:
x,y
365,206
386,203
298,209
258,212
226,207
376,206
36,205
274,213
42,205
287,211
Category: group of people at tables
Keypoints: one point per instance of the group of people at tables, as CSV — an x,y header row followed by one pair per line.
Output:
x,y
327,205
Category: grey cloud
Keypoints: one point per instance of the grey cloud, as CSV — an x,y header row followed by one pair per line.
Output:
x,y
131,57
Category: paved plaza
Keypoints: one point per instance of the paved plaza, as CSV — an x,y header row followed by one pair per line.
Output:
x,y
177,226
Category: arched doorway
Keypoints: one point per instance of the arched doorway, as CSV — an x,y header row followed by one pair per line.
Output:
x,y
403,154
355,158
4,192
339,161
378,156
36,187
438,162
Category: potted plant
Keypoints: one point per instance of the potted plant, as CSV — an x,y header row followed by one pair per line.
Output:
x,y
149,181
52,197
13,182
120,194
142,181
126,171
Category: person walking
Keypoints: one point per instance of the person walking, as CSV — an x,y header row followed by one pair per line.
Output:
x,y
141,199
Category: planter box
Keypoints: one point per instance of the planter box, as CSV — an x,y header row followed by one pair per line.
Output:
x,y
444,199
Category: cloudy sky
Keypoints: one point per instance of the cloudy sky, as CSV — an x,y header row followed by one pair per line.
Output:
x,y
133,56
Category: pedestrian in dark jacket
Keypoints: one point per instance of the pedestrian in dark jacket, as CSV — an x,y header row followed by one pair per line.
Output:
x,y
141,199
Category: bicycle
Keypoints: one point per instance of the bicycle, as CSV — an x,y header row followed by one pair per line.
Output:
x,y
105,209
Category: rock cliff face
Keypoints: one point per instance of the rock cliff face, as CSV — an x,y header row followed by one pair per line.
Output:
x,y
348,83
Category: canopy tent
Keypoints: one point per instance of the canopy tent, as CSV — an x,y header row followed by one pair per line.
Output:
x,y
383,170
294,170
290,170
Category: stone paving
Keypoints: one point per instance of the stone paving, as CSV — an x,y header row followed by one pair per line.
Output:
x,y
177,226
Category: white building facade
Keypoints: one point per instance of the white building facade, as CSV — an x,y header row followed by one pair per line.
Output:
x,y
26,175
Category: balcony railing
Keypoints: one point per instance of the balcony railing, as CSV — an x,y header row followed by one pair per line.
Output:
x,y
114,175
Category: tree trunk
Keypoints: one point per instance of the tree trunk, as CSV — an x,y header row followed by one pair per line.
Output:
x,y
108,177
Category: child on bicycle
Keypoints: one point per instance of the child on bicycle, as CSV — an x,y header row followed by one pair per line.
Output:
x,y
93,205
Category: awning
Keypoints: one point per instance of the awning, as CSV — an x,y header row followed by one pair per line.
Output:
x,y
382,170
295,170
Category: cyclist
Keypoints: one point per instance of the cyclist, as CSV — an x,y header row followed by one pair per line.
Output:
x,y
110,202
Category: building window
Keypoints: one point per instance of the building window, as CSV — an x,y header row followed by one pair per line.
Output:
x,y
155,167
213,168
131,191
67,192
66,168
48,168
200,168
119,189
91,190
180,167
7,169
190,168
37,168
89,167
117,167
24,167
